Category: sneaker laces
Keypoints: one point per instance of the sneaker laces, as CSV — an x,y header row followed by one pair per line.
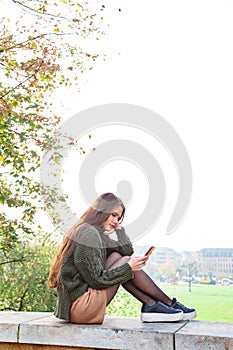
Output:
x,y
177,304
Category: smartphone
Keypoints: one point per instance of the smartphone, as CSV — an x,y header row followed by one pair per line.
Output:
x,y
150,251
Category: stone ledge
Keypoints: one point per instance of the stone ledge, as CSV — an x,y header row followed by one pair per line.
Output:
x,y
10,322
200,335
31,329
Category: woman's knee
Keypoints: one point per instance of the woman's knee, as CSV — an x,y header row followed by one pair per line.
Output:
x,y
125,258
115,256
116,259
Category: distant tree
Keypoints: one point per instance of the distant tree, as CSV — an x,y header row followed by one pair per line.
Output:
x,y
41,49
167,270
152,268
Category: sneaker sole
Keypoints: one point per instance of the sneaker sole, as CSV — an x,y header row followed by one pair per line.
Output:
x,y
189,315
160,317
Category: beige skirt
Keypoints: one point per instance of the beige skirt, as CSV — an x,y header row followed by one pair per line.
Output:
x,y
89,308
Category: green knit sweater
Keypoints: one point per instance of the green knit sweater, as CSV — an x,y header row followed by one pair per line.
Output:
x,y
84,266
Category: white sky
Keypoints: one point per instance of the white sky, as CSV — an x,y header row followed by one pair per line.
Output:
x,y
175,59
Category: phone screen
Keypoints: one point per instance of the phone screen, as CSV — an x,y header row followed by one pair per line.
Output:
x,y
150,250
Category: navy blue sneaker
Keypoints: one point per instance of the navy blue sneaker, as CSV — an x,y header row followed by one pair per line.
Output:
x,y
160,313
188,313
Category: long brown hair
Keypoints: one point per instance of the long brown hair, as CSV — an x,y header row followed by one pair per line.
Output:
x,y
95,215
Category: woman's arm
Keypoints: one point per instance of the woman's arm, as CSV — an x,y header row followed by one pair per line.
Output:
x,y
90,258
95,275
122,245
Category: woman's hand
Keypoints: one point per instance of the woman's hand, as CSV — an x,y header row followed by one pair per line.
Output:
x,y
137,262
118,226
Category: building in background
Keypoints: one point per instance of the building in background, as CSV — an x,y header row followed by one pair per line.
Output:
x,y
215,262
205,266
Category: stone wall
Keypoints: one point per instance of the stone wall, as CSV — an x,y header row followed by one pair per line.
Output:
x,y
41,330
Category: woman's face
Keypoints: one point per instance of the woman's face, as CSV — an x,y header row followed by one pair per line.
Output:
x,y
112,221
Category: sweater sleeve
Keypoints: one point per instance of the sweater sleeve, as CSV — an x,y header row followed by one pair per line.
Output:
x,y
122,245
89,259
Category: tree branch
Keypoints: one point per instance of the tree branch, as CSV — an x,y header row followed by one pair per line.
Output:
x,y
20,45
22,82
40,12
21,299
11,261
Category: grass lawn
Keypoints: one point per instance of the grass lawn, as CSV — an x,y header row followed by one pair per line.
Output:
x,y
212,302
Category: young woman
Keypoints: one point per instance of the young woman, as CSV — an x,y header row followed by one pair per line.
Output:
x,y
90,266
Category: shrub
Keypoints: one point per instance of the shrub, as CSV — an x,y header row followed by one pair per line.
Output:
x,y
23,279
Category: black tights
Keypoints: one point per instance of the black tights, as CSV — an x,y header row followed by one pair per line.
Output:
x,y
142,287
